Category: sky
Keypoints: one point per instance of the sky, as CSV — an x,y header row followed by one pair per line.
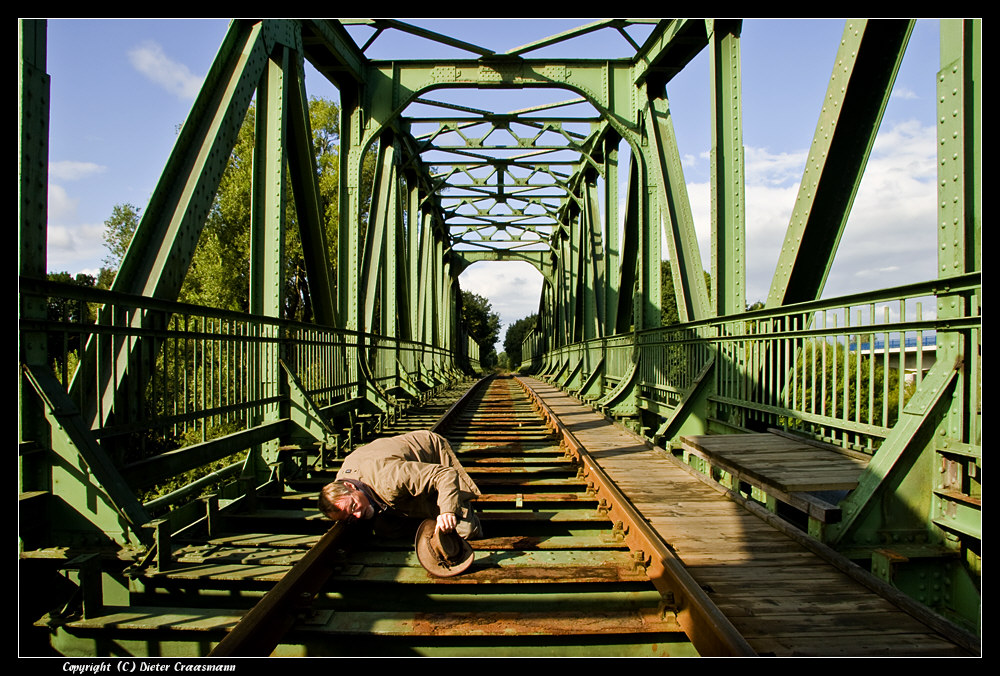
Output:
x,y
120,89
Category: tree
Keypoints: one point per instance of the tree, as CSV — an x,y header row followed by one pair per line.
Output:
x,y
218,275
118,232
515,336
482,324
844,383
668,299
64,345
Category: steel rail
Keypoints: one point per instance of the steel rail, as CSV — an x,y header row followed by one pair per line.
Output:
x,y
262,628
708,629
462,402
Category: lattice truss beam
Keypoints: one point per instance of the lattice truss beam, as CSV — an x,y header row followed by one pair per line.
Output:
x,y
541,184
503,178
428,186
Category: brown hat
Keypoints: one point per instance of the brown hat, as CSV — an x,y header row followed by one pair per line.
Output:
x,y
442,554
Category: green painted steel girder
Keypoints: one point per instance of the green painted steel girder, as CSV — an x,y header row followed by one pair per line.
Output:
x,y
728,176
448,189
605,84
675,213
865,69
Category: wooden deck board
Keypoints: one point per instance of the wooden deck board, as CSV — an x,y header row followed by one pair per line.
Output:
x,y
784,598
778,462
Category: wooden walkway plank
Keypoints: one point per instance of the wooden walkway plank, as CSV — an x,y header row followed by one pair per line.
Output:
x,y
778,463
782,596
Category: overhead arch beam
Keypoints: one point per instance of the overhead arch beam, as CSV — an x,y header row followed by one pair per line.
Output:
x,y
540,260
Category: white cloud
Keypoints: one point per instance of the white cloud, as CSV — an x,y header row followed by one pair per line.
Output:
x,y
512,287
61,206
889,238
69,247
904,93
773,169
68,170
74,248
150,60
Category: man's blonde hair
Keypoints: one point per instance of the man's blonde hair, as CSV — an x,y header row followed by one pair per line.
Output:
x,y
330,495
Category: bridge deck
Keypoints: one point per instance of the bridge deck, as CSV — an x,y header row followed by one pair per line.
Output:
x,y
781,596
803,466
802,473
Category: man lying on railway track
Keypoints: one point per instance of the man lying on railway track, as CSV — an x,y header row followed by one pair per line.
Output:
x,y
414,475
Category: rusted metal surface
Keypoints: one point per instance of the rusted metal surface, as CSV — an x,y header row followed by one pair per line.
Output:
x,y
546,537
708,628
554,576
260,630
573,564
782,595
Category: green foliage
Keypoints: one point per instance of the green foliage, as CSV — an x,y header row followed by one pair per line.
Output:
x,y
515,336
64,366
219,277
183,479
482,324
68,310
668,299
64,346
118,231
833,381
219,274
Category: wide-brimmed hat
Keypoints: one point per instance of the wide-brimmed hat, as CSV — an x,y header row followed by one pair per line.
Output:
x,y
442,554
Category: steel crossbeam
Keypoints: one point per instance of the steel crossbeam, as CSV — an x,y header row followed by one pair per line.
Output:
x,y
128,388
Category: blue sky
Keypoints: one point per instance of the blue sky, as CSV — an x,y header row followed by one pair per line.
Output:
x,y
121,88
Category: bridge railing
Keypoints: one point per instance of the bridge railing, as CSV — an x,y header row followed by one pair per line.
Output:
x,y
840,369
472,351
152,376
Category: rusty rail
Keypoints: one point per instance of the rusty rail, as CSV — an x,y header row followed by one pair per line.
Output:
x,y
261,629
709,630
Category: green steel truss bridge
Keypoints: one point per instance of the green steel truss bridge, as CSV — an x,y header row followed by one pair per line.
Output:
x,y
126,390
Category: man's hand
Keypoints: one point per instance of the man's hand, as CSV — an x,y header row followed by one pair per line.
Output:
x,y
446,522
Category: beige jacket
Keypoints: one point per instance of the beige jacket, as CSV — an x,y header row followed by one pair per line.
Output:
x,y
417,474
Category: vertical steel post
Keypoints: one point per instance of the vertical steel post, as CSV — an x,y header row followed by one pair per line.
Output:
x,y
675,214
32,217
728,193
593,263
349,246
959,136
610,232
267,237
32,174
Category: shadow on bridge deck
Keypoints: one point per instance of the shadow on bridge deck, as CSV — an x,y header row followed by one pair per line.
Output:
x,y
772,585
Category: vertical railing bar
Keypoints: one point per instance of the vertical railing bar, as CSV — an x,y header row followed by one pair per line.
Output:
x,y
902,360
845,395
886,371
858,372
920,347
201,379
822,400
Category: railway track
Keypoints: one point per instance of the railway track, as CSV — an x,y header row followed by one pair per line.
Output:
x,y
553,576
568,566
